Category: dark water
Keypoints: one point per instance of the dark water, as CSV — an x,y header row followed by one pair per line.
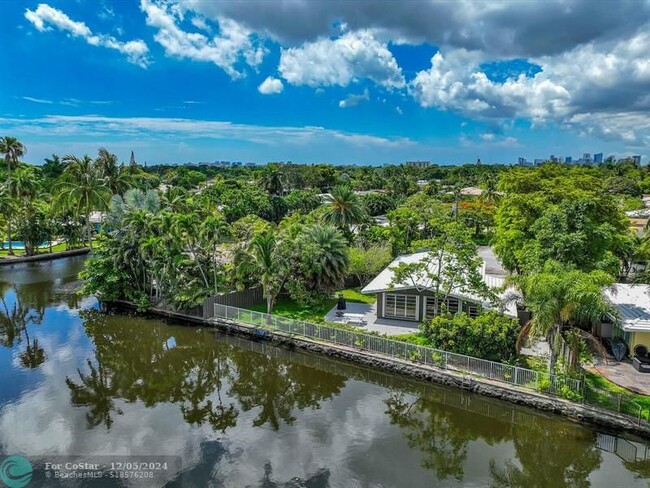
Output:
x,y
76,382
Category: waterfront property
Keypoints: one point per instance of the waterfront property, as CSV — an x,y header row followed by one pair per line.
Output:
x,y
632,319
415,300
240,400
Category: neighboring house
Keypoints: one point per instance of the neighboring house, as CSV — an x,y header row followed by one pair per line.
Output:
x,y
416,301
632,323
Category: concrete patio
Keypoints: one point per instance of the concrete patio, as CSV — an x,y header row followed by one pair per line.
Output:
x,y
623,374
373,324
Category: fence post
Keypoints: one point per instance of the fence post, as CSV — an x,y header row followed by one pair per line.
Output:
x,y
446,360
620,398
516,378
468,363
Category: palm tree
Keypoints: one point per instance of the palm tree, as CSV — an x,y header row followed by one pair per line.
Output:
x,y
560,297
490,195
273,181
13,149
82,189
345,210
116,178
264,261
329,257
213,231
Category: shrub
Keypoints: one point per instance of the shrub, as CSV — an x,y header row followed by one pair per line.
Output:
x,y
489,336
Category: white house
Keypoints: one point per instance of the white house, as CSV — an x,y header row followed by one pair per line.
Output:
x,y
415,300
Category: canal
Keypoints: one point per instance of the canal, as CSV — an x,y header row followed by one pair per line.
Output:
x,y
77,382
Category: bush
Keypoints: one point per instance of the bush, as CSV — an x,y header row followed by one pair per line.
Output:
x,y
490,336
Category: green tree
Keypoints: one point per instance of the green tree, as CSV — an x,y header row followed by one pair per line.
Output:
x,y
345,210
82,189
13,150
451,264
562,297
266,263
366,263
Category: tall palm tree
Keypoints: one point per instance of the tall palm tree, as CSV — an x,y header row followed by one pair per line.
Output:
x,y
116,178
560,297
264,260
13,150
345,210
213,231
82,189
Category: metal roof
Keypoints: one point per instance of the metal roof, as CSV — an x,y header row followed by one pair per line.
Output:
x,y
633,305
384,282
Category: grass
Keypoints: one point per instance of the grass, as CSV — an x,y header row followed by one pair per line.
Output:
x,y
43,250
285,307
610,392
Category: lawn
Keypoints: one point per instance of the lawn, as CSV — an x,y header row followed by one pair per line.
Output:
x,y
286,307
43,250
598,381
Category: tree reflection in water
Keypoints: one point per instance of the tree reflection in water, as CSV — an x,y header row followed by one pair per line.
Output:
x,y
16,315
550,452
137,360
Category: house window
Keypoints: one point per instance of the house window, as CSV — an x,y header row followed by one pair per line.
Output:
x,y
401,306
472,309
450,305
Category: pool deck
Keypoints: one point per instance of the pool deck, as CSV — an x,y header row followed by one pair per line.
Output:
x,y
374,324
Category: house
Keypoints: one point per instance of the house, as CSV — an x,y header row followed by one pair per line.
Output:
x,y
632,321
415,301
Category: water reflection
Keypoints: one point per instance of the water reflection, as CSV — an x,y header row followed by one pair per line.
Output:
x,y
134,361
242,413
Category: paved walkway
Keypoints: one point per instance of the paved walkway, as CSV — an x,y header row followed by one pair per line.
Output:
x,y
623,374
374,324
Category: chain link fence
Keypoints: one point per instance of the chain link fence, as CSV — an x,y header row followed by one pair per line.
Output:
x,y
527,378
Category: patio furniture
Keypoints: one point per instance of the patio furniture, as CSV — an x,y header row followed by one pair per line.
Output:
x,y
354,318
341,305
642,365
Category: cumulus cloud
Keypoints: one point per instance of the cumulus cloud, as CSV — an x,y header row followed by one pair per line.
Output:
x,y
341,61
353,100
45,17
503,29
270,86
234,43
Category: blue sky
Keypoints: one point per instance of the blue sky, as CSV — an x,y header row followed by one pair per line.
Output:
x,y
341,82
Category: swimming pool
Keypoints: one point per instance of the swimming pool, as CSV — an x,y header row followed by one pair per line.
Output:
x,y
20,244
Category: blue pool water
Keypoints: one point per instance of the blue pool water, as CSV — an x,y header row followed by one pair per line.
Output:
x,y
19,244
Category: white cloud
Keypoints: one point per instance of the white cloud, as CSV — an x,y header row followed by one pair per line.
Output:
x,y
353,100
45,16
341,61
601,90
37,100
270,86
151,127
232,45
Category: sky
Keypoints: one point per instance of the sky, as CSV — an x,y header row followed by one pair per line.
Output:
x,y
366,82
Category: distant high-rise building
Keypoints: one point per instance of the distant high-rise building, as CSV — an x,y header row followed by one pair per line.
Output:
x,y
561,159
521,161
598,158
418,164
538,162
478,162
636,159
568,159
586,156
552,158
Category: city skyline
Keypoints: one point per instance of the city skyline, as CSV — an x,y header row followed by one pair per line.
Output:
x,y
334,82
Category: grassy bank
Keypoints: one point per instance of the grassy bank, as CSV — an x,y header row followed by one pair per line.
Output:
x,y
313,312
